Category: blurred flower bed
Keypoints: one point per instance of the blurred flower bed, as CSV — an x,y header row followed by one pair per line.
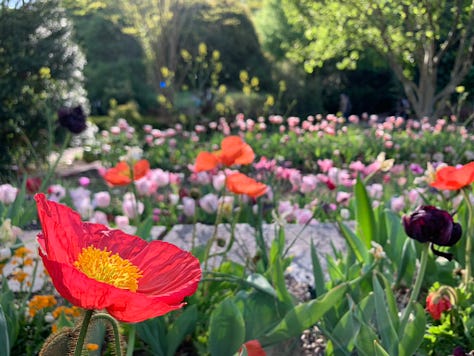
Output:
x,y
267,170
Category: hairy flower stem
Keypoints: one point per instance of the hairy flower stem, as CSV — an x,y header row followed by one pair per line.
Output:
x,y
469,235
83,332
417,287
114,324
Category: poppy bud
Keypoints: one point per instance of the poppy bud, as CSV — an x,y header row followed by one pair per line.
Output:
x,y
74,119
429,224
437,304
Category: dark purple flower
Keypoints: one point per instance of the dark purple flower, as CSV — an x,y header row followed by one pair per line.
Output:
x,y
458,351
74,119
429,224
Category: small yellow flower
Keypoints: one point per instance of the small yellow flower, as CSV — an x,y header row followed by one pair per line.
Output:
x,y
202,49
385,164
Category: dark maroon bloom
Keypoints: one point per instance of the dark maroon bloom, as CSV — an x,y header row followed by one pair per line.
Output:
x,y
458,351
74,119
430,224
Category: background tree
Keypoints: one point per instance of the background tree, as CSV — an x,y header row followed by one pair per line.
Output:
x,y
413,36
40,71
115,68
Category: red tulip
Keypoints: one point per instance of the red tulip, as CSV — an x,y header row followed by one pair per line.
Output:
x,y
239,183
94,267
453,178
121,174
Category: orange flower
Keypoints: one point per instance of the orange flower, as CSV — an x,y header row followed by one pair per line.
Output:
x,y
233,151
121,174
239,183
453,178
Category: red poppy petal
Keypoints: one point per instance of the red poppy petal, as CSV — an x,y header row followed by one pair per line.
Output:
x,y
61,226
140,307
168,271
239,183
254,348
140,169
206,161
246,156
119,175
452,178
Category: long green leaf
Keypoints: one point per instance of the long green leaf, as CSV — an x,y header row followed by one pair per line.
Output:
x,y
181,327
385,321
365,340
364,214
319,284
355,243
304,316
226,330
4,337
412,336
152,332
379,350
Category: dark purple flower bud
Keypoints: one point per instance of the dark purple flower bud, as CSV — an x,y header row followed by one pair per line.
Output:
x,y
429,224
458,351
74,119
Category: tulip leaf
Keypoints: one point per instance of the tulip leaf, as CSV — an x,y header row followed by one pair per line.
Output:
x,y
182,326
354,242
319,284
364,214
365,340
413,333
4,337
379,350
406,265
384,317
260,283
226,330
304,316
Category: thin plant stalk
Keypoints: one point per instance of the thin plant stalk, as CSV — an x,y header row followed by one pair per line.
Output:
x,y
417,287
114,324
469,235
82,334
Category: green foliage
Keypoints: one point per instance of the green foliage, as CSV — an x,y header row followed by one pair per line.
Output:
x,y
115,66
40,70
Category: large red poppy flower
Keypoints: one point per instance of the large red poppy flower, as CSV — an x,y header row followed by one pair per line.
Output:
x,y
453,178
233,151
239,183
95,267
121,174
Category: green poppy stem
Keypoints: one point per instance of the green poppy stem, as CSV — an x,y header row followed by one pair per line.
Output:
x,y
83,332
114,324
469,235
417,287
131,340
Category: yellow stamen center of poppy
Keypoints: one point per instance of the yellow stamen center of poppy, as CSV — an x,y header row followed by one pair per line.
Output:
x,y
102,266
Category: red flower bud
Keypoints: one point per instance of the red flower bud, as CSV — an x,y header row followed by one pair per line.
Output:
x,y
436,304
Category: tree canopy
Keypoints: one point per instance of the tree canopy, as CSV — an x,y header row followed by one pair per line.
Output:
x,y
414,37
